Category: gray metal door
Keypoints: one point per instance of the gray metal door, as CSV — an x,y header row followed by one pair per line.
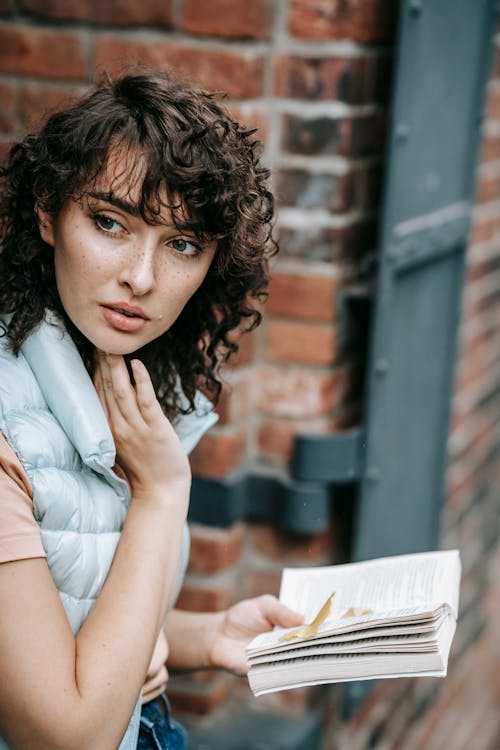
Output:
x,y
444,54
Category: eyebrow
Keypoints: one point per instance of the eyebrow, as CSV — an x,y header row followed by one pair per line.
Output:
x,y
113,200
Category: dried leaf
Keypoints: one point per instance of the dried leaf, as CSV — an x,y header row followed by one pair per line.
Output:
x,y
310,630
357,612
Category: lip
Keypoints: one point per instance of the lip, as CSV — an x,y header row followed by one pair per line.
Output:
x,y
115,315
125,307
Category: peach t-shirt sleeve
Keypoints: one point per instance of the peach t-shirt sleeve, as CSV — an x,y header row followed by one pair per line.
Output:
x,y
19,532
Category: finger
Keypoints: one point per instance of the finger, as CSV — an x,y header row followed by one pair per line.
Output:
x,y
121,395
146,397
278,613
118,423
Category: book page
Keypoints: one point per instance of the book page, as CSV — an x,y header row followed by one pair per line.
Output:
x,y
317,669
409,587
423,580
267,643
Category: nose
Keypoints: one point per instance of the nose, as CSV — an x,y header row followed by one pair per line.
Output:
x,y
138,272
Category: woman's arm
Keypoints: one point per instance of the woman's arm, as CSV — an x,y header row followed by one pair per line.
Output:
x,y
218,639
58,692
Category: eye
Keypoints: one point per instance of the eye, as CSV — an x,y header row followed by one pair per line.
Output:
x,y
107,224
184,247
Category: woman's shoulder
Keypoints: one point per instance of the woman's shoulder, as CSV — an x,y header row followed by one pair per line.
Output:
x,y
19,533
11,467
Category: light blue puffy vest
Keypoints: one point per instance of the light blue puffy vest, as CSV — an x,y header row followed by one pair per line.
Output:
x,y
51,416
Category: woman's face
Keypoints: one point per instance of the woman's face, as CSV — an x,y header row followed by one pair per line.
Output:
x,y
121,281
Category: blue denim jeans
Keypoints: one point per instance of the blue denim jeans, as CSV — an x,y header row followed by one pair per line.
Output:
x,y
158,731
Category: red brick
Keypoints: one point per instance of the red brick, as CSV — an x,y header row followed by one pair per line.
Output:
x,y
42,52
246,347
362,135
307,189
468,372
206,599
346,79
37,101
347,415
157,13
214,549
252,117
481,268
490,148
288,548
203,701
236,400
314,136
8,100
480,440
306,296
239,74
219,453
310,242
288,341
276,437
463,476
229,18
258,582
482,301
357,20
293,393
487,188
351,242
493,103
483,230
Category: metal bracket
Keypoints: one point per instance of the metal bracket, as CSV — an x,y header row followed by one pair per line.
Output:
x,y
288,504
335,458
300,503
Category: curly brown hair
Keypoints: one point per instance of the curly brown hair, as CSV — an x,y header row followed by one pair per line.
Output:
x,y
210,167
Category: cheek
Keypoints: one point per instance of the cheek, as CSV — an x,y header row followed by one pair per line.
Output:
x,y
181,285
80,261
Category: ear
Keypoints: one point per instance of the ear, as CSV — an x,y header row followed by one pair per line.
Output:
x,y
46,226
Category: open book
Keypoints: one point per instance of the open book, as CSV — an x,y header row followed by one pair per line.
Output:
x,y
391,617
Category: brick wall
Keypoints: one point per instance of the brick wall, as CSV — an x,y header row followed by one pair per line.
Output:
x,y
314,76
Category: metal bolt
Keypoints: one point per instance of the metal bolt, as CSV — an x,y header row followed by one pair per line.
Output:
x,y
415,7
381,366
372,474
402,132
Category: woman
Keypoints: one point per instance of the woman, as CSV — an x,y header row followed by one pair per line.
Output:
x,y
135,229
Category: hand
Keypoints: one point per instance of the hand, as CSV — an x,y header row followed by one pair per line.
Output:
x,y
239,625
147,448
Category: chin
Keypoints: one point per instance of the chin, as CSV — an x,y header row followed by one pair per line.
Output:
x,y
116,344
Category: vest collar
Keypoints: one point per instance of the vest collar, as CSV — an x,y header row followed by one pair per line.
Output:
x,y
72,398
70,393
